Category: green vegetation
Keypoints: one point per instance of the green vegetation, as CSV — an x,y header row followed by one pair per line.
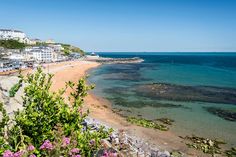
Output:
x,y
49,124
206,145
166,121
3,125
69,48
66,50
11,44
231,152
147,123
176,154
15,88
41,44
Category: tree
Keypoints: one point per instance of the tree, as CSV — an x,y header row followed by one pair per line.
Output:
x,y
11,44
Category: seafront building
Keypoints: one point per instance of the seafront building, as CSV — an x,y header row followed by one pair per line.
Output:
x,y
50,53
9,58
56,47
29,56
40,54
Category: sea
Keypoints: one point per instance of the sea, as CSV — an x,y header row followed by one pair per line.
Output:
x,y
196,90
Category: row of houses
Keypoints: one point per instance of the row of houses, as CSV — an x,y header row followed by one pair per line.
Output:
x,y
16,58
11,34
50,53
29,57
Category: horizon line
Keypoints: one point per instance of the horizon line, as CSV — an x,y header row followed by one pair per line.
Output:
x,y
165,51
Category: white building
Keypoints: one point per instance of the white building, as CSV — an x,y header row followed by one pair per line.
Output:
x,y
16,57
92,56
8,34
56,47
40,53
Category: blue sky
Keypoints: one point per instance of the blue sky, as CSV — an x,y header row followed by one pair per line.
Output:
x,y
127,25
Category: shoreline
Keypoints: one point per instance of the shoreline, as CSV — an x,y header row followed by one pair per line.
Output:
x,y
101,109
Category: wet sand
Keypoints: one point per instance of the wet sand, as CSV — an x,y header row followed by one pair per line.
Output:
x,y
100,109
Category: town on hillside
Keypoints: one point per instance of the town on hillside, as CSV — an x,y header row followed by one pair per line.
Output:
x,y
17,51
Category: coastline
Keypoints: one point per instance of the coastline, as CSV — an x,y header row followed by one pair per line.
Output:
x,y
100,109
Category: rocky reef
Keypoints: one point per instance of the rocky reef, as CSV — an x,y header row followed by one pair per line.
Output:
x,y
165,91
105,60
205,145
142,103
225,114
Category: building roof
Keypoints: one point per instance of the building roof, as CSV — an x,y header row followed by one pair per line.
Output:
x,y
11,30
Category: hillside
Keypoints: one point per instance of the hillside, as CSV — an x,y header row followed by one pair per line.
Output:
x,y
11,44
69,49
14,44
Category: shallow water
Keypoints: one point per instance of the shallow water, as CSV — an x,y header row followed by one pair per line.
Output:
x,y
118,83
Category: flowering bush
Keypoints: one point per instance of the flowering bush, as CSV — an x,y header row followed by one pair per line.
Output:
x,y
49,125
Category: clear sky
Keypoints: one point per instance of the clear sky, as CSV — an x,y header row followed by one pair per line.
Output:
x,y
127,25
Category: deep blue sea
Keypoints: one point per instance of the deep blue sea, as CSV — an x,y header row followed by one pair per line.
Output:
x,y
196,90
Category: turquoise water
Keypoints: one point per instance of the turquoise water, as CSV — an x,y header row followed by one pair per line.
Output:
x,y
213,75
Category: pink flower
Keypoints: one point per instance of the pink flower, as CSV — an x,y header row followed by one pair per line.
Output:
x,y
18,154
32,155
65,141
30,148
74,151
8,153
46,145
76,156
113,155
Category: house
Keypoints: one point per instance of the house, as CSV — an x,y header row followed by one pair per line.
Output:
x,y
58,48
35,41
9,34
50,41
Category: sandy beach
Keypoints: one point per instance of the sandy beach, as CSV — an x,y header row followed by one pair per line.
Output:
x,y
100,108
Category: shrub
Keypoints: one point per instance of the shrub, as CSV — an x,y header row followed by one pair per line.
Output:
x,y
15,88
45,115
12,44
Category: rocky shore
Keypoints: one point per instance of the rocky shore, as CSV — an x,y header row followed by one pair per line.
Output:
x,y
11,103
105,60
145,142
